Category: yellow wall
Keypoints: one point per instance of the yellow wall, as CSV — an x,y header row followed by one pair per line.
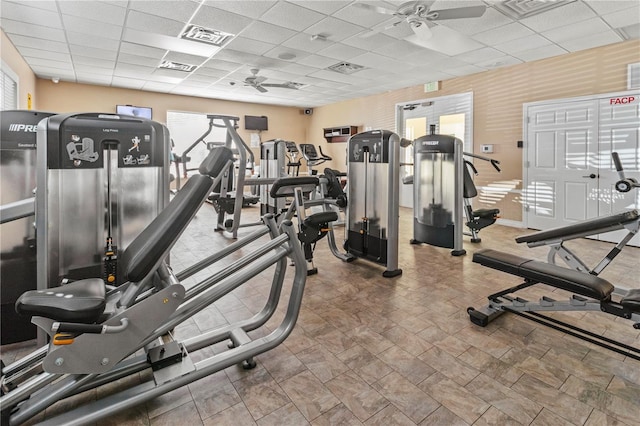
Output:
x,y
26,77
284,122
498,96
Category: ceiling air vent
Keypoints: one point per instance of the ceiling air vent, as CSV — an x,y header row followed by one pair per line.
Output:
x,y
633,76
206,35
524,8
345,68
177,66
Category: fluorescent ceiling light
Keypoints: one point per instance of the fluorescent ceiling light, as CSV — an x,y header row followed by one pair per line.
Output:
x,y
206,35
177,66
169,43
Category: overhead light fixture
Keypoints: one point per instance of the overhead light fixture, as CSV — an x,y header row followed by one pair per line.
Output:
x,y
206,35
318,37
345,68
519,9
177,66
629,32
55,80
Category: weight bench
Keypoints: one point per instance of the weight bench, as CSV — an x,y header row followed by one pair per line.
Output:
x,y
588,293
555,238
99,336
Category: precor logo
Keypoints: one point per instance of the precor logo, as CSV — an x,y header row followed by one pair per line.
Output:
x,y
18,127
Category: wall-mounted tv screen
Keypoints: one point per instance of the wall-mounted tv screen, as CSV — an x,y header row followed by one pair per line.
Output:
x,y
136,111
252,122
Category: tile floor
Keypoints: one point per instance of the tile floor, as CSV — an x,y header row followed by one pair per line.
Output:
x,y
373,351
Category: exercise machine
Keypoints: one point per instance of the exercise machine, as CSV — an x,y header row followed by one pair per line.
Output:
x,y
273,157
479,218
17,207
312,157
99,337
438,192
628,221
588,291
373,163
293,165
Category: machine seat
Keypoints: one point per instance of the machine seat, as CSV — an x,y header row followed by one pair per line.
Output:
x,y
81,301
318,219
284,187
589,227
632,301
490,213
556,276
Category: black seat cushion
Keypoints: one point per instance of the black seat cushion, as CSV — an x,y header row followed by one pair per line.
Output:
x,y
321,218
632,300
486,212
80,301
556,276
284,187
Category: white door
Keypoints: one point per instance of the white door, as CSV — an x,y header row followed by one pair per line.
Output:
x,y
569,174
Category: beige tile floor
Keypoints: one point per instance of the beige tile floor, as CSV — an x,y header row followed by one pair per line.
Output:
x,y
375,351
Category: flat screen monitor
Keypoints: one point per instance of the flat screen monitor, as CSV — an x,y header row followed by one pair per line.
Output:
x,y
252,122
136,111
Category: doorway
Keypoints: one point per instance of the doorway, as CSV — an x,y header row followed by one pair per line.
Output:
x,y
452,115
569,172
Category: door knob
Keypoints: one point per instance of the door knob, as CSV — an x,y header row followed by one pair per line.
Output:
x,y
592,176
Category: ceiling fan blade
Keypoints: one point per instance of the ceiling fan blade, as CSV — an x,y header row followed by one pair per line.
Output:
x,y
421,30
456,13
376,9
445,40
260,89
283,85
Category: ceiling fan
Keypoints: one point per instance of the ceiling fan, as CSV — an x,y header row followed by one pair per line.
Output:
x,y
257,82
426,32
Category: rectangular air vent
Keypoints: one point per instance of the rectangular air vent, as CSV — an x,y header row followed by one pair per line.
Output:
x,y
345,68
177,66
633,76
519,9
206,35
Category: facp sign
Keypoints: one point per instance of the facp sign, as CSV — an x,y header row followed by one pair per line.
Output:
x,y
622,100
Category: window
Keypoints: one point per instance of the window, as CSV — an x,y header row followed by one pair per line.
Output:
x,y
8,88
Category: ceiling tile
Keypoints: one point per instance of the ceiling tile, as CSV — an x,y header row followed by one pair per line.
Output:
x,y
130,83
317,61
341,51
144,22
334,29
563,15
251,9
221,20
469,26
93,10
610,6
101,63
134,71
167,76
127,58
299,69
175,10
80,25
624,17
165,42
578,29
369,43
269,33
524,43
81,39
98,79
289,15
502,34
540,53
254,47
184,58
46,5
24,12
158,86
31,30
37,43
139,50
332,76
45,54
362,17
220,64
240,58
373,60
302,41
44,72
48,63
283,50
503,61
92,52
591,41
92,69
399,49
327,7
484,54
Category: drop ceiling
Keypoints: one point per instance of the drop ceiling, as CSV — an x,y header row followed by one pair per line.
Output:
x,y
123,43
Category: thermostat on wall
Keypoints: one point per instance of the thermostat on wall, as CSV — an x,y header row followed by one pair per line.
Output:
x,y
487,149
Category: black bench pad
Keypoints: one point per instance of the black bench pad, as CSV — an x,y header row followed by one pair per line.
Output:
x,y
81,301
556,276
284,187
588,227
486,212
632,301
321,218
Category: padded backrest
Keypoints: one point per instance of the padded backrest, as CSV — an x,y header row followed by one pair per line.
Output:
x,y
334,187
284,187
152,245
469,188
214,163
